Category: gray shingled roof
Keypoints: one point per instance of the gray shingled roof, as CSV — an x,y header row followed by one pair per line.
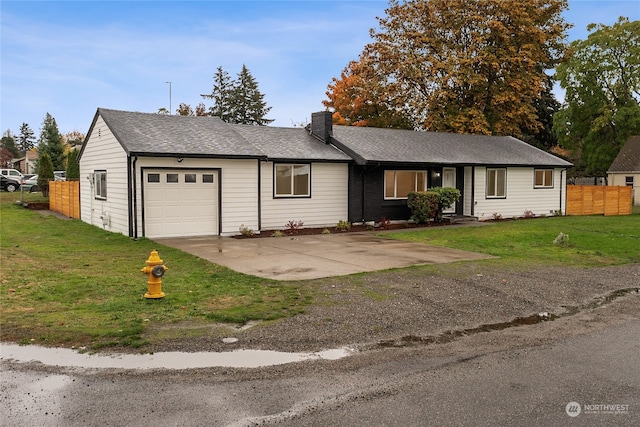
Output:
x,y
156,134
289,143
628,159
407,146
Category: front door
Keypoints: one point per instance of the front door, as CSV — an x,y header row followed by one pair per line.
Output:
x,y
449,180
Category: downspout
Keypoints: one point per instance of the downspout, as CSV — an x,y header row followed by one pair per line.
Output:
x,y
259,196
135,200
129,197
561,194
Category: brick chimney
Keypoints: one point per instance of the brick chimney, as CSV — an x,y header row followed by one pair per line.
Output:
x,y
322,126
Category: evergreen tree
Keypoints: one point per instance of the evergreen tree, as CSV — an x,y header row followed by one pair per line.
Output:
x,y
51,143
237,101
249,107
45,173
73,168
221,94
26,139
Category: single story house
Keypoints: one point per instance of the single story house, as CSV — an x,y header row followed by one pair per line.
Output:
x,y
625,169
150,175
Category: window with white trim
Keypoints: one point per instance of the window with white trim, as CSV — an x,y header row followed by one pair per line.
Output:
x,y
543,178
628,181
497,183
100,185
292,180
398,184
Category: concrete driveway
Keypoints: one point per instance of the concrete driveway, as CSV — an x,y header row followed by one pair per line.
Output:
x,y
316,256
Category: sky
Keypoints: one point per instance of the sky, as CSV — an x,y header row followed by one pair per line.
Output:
x,y
68,58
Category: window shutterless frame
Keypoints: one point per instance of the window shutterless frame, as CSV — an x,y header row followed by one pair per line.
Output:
x,y
399,183
496,183
291,180
543,178
100,185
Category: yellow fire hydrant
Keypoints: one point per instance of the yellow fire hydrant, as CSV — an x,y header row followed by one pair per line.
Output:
x,y
155,270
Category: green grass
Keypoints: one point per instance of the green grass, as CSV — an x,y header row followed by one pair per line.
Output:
x,y
66,282
593,240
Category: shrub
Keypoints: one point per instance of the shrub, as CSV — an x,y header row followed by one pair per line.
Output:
x,y
293,226
326,231
528,214
447,196
384,222
277,233
246,231
73,168
423,205
343,225
496,216
45,173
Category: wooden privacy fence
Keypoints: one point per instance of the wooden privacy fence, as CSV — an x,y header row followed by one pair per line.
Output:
x,y
598,200
64,197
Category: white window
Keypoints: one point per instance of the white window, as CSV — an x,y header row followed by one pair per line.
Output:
x,y
292,180
398,184
496,183
543,178
628,181
100,187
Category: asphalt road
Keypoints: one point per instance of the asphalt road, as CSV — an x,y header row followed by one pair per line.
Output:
x,y
527,375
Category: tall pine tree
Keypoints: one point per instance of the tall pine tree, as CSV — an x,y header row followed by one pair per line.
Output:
x,y
51,143
26,139
238,101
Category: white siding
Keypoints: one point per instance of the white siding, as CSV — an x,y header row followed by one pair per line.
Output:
x,y
619,179
239,188
103,152
521,194
326,206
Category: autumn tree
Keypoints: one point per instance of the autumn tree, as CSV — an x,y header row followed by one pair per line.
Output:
x,y
9,143
73,139
186,110
358,99
602,83
238,101
26,138
468,67
50,143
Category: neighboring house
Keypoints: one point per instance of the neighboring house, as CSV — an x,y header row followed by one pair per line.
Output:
x,y
625,169
161,176
27,164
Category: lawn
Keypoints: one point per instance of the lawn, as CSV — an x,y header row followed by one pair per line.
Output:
x,y
67,283
592,240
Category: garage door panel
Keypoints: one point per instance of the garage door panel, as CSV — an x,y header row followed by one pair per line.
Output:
x,y
183,208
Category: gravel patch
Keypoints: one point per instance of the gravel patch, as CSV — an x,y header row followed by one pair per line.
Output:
x,y
369,310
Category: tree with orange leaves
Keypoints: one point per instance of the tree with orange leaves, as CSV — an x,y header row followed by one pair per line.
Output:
x,y
467,67
357,99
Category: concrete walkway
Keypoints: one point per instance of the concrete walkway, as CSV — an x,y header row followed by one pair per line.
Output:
x,y
316,256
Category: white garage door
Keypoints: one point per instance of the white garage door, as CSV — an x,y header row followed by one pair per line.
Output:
x,y
180,203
